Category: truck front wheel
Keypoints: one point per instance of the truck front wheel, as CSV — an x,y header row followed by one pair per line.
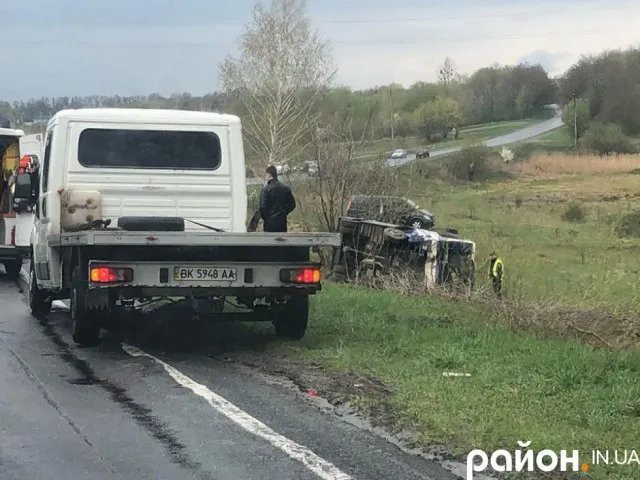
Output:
x,y
13,267
290,319
39,301
86,326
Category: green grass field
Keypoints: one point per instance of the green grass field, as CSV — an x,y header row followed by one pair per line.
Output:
x,y
547,258
557,393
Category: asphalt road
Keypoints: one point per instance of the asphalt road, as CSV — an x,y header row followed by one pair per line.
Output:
x,y
510,138
165,410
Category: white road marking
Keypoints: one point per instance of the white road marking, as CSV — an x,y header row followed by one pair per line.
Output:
x,y
313,462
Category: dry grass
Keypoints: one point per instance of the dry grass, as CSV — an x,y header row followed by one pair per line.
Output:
x,y
595,326
551,165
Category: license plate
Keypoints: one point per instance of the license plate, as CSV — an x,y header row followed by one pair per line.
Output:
x,y
204,274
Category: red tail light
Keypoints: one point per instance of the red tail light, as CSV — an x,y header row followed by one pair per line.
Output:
x,y
102,274
301,275
13,235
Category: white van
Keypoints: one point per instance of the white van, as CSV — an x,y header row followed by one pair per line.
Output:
x,y
138,204
16,215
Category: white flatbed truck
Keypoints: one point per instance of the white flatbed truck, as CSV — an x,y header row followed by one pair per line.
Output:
x,y
140,204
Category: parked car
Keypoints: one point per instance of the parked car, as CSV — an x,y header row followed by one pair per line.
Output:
x,y
400,153
422,153
390,209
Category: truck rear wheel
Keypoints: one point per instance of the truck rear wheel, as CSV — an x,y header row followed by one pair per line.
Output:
x,y
290,319
39,301
86,325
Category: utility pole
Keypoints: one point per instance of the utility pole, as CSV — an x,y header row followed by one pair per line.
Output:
x,y
575,123
393,119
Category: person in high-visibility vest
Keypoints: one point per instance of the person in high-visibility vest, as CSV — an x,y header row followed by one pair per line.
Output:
x,y
496,273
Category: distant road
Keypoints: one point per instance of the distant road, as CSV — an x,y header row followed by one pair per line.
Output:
x,y
526,133
513,137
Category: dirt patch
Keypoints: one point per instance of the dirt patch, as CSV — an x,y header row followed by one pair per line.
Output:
x,y
359,399
594,327
336,387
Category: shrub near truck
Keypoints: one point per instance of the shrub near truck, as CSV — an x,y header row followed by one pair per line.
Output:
x,y
104,171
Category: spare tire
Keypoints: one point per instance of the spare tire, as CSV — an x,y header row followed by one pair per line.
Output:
x,y
151,224
394,235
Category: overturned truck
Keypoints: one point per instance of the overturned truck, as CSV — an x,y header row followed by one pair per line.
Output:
x,y
377,249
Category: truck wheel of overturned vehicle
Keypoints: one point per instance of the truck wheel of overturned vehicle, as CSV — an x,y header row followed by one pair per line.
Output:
x,y
394,235
13,267
39,302
290,319
86,325
417,223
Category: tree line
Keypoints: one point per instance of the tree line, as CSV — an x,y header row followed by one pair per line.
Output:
x,y
601,94
426,109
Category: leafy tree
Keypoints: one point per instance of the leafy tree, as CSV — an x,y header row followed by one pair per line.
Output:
x,y
580,115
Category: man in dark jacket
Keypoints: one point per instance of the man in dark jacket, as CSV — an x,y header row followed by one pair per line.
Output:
x,y
276,202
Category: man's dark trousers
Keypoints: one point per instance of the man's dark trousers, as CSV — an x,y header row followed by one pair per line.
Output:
x,y
275,223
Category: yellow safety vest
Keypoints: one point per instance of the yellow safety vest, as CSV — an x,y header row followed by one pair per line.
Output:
x,y
494,269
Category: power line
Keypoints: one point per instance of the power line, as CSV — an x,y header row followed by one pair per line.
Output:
x,y
532,13
537,13
426,40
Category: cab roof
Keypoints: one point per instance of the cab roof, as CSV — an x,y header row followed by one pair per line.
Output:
x,y
144,115
11,132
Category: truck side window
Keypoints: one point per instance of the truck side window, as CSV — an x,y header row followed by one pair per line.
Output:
x,y
45,163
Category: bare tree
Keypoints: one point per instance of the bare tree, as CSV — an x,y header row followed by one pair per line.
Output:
x,y
340,174
282,72
446,73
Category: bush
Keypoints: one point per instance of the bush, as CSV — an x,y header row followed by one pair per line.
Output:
x,y
518,201
574,213
524,151
629,225
607,138
470,164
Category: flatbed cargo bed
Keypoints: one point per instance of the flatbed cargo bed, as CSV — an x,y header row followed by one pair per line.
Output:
x,y
251,239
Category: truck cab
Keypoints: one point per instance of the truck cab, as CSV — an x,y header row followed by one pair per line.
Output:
x,y
136,205
19,154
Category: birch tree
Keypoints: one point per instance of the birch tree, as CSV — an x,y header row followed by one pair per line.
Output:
x,y
446,73
283,70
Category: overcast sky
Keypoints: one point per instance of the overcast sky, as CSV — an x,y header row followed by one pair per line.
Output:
x,y
85,47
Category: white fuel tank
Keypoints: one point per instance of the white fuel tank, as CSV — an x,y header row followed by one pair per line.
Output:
x,y
79,207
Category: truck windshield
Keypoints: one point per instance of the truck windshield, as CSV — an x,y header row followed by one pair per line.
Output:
x,y
178,150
